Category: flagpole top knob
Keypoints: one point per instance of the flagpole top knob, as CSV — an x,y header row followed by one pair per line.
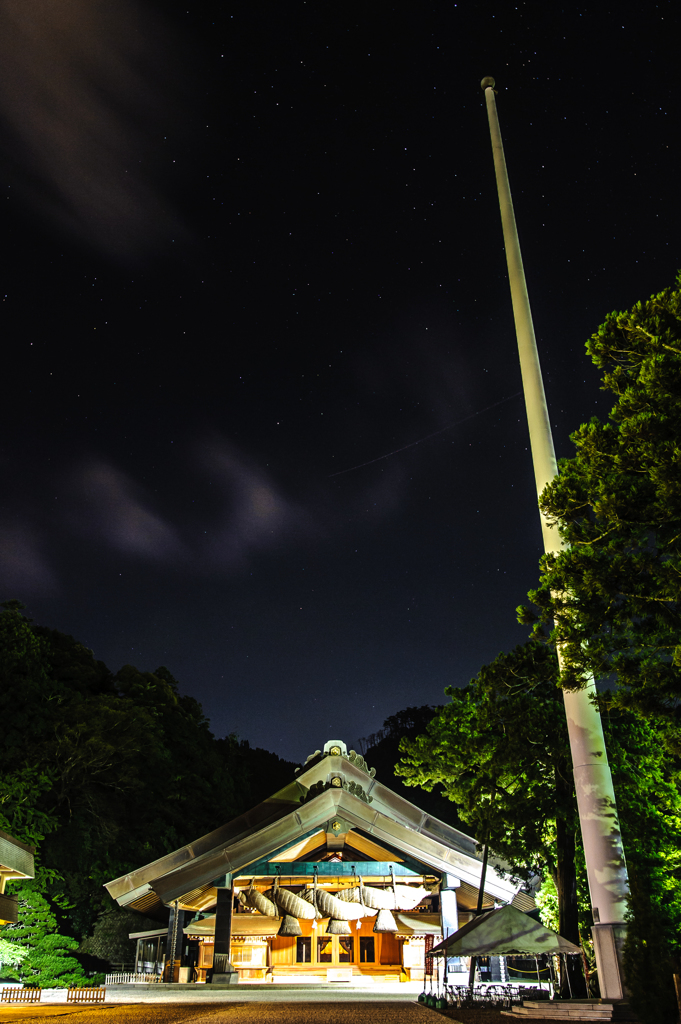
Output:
x,y
487,83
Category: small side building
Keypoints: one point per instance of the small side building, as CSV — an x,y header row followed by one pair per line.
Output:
x,y
16,861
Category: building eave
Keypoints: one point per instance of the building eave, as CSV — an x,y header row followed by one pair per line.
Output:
x,y
283,820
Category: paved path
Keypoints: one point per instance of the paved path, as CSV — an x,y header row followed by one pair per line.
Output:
x,y
226,995
18,1013
289,1012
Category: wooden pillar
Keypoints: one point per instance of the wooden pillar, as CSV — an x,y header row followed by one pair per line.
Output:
x,y
174,941
223,972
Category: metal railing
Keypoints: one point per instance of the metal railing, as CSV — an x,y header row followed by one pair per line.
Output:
x,y
129,978
499,996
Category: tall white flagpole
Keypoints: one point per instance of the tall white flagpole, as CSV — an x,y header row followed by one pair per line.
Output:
x,y
605,864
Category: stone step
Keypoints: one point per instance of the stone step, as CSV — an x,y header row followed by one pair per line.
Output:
x,y
575,1009
527,1014
621,1011
604,1010
563,1009
579,1004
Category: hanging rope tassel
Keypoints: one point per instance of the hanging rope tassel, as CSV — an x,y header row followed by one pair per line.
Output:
x,y
385,922
290,926
336,927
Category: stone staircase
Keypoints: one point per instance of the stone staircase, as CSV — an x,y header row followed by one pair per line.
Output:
x,y
572,1009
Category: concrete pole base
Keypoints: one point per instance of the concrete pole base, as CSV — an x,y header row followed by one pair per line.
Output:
x,y
226,979
608,945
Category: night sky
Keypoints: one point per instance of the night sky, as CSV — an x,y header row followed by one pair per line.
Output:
x,y
248,248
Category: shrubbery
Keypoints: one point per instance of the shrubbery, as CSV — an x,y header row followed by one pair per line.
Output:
x,y
46,961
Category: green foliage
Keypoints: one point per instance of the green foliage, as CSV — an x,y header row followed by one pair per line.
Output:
x,y
546,899
547,902
22,781
11,954
612,599
615,592
648,786
652,939
109,939
499,750
382,751
105,772
46,962
257,773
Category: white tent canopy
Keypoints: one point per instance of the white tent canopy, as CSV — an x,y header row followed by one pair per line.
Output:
x,y
503,932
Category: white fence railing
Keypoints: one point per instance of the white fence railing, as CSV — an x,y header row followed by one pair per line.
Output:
x,y
122,978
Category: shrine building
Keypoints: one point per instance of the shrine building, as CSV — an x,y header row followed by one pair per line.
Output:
x,y
333,877
16,861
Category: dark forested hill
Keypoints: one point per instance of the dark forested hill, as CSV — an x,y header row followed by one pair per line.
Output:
x,y
382,752
103,772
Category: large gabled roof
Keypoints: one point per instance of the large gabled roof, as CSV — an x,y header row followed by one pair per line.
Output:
x,y
299,810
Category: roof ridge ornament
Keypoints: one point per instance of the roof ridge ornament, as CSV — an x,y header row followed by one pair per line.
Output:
x,y
337,748
336,782
359,762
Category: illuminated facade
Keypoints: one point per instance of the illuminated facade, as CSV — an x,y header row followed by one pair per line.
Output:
x,y
333,877
16,861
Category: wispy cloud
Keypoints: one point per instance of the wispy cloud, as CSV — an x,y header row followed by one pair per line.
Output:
x,y
105,504
248,514
23,568
79,94
112,507
257,515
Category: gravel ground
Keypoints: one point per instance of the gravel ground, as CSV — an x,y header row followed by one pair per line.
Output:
x,y
374,1012
475,1016
484,1016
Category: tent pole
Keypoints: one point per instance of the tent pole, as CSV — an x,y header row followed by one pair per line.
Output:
x,y
567,973
471,975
